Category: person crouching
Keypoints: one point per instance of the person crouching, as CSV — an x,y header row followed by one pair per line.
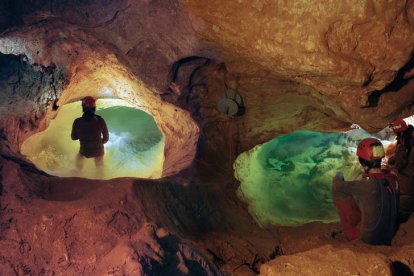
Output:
x,y
368,206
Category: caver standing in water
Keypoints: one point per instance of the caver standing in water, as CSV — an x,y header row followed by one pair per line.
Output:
x,y
92,133
368,206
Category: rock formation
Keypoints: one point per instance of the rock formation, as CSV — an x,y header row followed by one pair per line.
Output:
x,y
295,65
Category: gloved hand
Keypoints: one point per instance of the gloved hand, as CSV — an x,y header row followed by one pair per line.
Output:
x,y
339,176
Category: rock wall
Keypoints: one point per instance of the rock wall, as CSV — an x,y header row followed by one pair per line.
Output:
x,y
297,65
348,52
92,70
106,233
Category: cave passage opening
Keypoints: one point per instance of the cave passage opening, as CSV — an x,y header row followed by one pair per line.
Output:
x,y
287,181
135,147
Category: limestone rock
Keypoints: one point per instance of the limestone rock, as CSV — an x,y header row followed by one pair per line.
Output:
x,y
328,260
346,51
296,64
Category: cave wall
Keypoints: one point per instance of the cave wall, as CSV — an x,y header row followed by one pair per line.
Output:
x,y
147,36
311,71
297,65
51,225
27,90
91,69
273,107
345,51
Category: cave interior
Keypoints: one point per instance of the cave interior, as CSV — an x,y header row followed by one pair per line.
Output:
x,y
227,121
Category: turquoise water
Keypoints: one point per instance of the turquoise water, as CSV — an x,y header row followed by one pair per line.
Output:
x,y
136,122
287,181
135,147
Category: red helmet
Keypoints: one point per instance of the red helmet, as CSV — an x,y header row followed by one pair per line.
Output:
x,y
398,126
370,149
88,101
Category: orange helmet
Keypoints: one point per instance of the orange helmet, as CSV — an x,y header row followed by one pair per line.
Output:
x,y
370,149
88,101
398,126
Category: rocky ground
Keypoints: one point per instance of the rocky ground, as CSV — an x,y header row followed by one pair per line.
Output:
x,y
186,224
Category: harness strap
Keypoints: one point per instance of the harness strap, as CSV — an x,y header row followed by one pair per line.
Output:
x,y
391,182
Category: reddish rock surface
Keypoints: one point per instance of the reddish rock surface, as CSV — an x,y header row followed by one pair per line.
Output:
x,y
296,65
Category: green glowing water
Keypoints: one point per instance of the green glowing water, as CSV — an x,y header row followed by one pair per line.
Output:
x,y
287,181
135,147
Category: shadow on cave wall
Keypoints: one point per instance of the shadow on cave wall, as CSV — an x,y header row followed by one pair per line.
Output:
x,y
86,13
1,178
400,269
186,73
396,85
204,87
185,208
10,14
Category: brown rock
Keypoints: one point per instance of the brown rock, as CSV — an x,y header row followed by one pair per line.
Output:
x,y
296,64
328,260
345,51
